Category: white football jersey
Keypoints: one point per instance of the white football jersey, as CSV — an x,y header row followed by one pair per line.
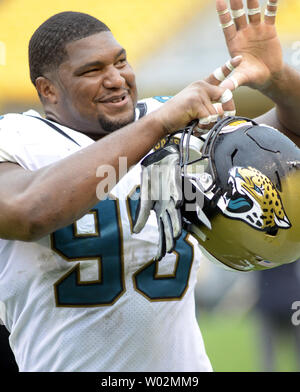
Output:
x,y
89,297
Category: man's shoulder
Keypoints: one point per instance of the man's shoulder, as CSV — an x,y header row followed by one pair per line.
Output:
x,y
11,121
148,105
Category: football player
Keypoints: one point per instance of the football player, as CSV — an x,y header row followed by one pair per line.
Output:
x,y
78,290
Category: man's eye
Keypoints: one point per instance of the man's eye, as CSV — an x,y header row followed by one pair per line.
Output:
x,y
90,71
121,62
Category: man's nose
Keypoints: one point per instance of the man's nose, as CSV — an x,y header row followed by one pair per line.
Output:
x,y
113,78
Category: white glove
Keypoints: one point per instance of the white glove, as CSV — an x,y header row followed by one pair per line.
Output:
x,y
161,190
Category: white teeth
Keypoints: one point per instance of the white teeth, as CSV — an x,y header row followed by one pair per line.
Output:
x,y
116,100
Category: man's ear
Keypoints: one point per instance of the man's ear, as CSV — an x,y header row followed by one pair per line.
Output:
x,y
46,90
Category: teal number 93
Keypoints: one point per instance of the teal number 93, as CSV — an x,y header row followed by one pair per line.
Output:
x,y
105,246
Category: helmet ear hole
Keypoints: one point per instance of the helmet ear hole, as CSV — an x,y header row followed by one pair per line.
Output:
x,y
233,155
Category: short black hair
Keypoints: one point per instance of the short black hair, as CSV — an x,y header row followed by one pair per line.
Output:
x,y
47,45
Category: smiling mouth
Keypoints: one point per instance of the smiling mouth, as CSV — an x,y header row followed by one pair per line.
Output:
x,y
114,99
115,103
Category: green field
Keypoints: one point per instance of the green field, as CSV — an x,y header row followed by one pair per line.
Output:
x,y
233,345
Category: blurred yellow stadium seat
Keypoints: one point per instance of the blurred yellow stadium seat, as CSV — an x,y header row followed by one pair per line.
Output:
x,y
139,26
288,19
2,53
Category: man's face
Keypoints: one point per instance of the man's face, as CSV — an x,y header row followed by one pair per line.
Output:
x,y
97,89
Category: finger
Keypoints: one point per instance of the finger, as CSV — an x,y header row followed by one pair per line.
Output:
x,y
212,94
175,216
217,113
225,99
270,12
234,81
168,230
227,102
226,21
161,251
214,114
221,73
231,83
230,113
142,215
238,14
206,123
145,203
219,109
254,11
204,115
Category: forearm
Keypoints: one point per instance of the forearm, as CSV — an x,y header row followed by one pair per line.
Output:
x,y
284,91
58,194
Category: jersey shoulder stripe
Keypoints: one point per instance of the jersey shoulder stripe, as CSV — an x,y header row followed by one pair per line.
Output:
x,y
57,129
148,105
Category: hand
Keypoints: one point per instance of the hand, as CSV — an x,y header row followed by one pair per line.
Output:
x,y
161,191
257,42
196,102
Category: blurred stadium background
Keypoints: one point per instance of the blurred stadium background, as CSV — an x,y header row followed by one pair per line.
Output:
x,y
171,43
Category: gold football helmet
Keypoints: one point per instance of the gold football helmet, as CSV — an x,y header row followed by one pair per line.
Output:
x,y
247,184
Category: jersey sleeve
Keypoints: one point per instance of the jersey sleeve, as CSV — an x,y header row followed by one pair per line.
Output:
x,y
148,105
8,141
33,144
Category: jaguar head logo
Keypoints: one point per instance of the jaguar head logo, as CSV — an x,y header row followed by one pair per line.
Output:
x,y
254,199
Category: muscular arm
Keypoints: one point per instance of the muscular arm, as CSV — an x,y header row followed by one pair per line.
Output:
x,y
271,118
36,203
285,93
